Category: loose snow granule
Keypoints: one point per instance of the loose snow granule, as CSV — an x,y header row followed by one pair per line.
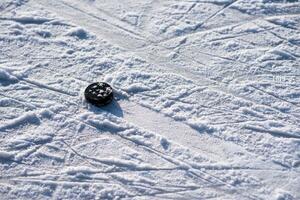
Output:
x,y
78,32
6,155
6,76
283,195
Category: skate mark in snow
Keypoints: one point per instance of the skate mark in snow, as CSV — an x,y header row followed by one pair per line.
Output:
x,y
276,133
27,118
27,20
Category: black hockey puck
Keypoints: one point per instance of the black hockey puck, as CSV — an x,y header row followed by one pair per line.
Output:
x,y
99,94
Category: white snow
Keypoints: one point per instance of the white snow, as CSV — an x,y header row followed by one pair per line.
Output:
x,y
5,76
80,33
206,99
6,155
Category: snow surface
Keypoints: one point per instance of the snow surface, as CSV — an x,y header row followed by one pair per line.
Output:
x,y
207,99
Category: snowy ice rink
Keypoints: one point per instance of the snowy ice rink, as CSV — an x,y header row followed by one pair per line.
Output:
x,y
206,106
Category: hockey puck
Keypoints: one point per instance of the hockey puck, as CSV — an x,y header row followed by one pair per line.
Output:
x,y
99,94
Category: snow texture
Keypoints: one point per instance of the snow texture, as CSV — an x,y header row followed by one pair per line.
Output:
x,y
206,105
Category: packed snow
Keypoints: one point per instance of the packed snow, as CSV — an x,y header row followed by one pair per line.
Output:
x,y
206,99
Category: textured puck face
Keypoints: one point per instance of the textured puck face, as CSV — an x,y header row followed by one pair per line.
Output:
x,y
99,94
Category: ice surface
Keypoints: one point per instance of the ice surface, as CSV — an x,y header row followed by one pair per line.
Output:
x,y
206,99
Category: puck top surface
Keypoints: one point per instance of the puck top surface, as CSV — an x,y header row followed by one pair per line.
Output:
x,y
99,93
